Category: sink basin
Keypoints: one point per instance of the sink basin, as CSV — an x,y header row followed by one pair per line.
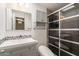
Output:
x,y
18,43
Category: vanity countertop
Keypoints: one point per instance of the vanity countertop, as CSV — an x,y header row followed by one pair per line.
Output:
x,y
18,43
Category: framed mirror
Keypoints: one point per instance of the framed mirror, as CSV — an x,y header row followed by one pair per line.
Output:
x,y
18,20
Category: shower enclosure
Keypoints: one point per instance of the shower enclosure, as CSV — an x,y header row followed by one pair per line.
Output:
x,y
63,30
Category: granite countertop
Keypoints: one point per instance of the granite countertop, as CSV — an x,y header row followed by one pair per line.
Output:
x,y
14,38
13,42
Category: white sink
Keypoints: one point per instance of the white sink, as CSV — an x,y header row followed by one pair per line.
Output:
x,y
18,43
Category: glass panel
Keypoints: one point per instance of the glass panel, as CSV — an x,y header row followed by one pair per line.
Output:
x,y
70,11
62,53
54,50
54,33
70,23
72,48
54,25
54,41
70,35
53,17
19,23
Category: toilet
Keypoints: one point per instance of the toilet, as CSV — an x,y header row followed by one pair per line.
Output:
x,y
45,51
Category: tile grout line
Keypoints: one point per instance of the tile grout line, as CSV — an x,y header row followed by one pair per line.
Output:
x,y
62,49
59,33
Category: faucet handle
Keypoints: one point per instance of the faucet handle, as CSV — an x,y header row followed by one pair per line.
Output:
x,y
20,35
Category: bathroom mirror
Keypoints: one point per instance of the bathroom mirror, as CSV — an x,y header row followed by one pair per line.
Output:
x,y
19,23
18,20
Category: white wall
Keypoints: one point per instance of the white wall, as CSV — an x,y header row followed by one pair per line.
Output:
x,y
2,21
39,34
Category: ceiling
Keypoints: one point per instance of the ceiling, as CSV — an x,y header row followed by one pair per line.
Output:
x,y
52,6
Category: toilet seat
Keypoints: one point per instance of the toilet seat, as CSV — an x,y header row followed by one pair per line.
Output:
x,y
45,51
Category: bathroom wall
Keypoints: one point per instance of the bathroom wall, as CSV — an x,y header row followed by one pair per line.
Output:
x,y
39,34
2,21
49,11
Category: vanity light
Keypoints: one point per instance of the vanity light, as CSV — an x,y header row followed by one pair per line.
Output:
x,y
68,8
18,19
26,5
19,22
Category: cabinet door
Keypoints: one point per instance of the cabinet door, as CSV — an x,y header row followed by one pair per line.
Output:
x,y
44,17
28,21
18,20
38,16
41,16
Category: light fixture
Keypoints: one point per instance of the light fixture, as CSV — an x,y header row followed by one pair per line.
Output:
x,y
19,22
24,4
68,8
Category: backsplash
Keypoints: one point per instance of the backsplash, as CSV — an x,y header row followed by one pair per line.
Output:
x,y
17,37
17,33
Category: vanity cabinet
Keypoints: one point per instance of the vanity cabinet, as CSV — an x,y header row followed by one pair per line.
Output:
x,y
20,47
25,51
28,21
